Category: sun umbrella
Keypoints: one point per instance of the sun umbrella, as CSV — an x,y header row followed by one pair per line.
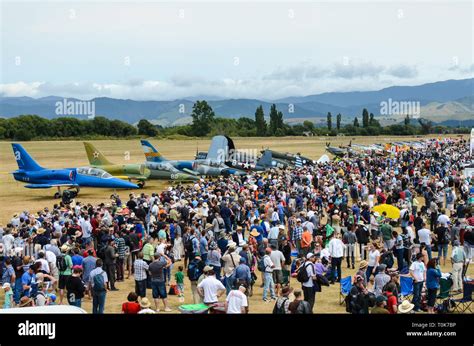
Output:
x,y
392,211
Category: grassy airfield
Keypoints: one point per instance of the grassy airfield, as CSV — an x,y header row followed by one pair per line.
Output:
x,y
61,154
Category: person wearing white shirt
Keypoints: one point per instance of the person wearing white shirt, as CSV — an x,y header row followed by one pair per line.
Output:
x,y
8,240
424,235
44,263
268,283
53,269
86,228
418,273
210,288
236,302
443,219
275,217
336,250
155,209
273,235
324,254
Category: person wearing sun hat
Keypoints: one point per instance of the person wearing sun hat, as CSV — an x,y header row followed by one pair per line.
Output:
x,y
25,302
231,260
8,300
145,307
362,271
65,272
405,307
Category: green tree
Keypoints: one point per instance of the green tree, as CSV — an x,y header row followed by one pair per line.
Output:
x,y
260,122
146,128
276,121
202,115
407,120
308,126
329,121
338,121
365,118
356,122
426,125
280,123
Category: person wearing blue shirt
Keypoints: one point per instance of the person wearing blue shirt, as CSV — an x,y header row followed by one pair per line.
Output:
x,y
356,211
203,246
433,274
281,212
242,273
259,229
28,281
226,214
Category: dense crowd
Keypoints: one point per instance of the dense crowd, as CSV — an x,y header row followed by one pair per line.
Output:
x,y
286,228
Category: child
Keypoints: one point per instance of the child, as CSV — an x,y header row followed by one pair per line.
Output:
x,y
179,277
8,296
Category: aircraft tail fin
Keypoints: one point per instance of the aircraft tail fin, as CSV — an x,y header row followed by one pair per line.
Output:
x,y
323,159
96,158
151,154
266,159
23,159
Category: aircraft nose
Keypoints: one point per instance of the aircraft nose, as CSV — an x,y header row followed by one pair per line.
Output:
x,y
127,185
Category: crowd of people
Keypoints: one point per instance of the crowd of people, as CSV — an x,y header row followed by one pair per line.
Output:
x,y
293,230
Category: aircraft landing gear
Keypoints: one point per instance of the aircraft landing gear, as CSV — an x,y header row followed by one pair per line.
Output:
x,y
141,184
58,194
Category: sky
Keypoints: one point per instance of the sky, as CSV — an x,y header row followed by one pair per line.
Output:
x,y
157,50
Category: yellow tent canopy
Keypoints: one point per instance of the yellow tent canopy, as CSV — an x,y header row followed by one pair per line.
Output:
x,y
392,211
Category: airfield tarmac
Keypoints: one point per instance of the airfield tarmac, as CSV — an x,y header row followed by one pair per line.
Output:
x,y
62,154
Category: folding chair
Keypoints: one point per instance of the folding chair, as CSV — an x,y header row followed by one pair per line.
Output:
x,y
445,285
345,288
463,304
406,287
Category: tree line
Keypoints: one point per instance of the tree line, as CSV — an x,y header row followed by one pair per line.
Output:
x,y
206,123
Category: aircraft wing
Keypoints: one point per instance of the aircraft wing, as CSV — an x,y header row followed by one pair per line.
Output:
x,y
47,186
131,176
190,171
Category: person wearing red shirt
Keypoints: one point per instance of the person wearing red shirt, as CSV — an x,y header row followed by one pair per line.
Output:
x,y
131,306
392,301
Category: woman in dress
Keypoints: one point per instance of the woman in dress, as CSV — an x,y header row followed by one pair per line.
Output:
x,y
178,248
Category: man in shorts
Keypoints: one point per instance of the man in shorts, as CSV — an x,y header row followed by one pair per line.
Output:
x,y
278,260
158,284
66,273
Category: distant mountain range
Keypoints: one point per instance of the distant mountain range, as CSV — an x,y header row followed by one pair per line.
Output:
x,y
450,100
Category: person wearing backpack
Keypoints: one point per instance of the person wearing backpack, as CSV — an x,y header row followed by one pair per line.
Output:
x,y
443,237
299,305
191,245
64,264
306,275
195,269
282,304
98,287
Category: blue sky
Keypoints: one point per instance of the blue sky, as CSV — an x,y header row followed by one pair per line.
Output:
x,y
166,50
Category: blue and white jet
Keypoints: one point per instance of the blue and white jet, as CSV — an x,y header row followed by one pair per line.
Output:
x,y
38,177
